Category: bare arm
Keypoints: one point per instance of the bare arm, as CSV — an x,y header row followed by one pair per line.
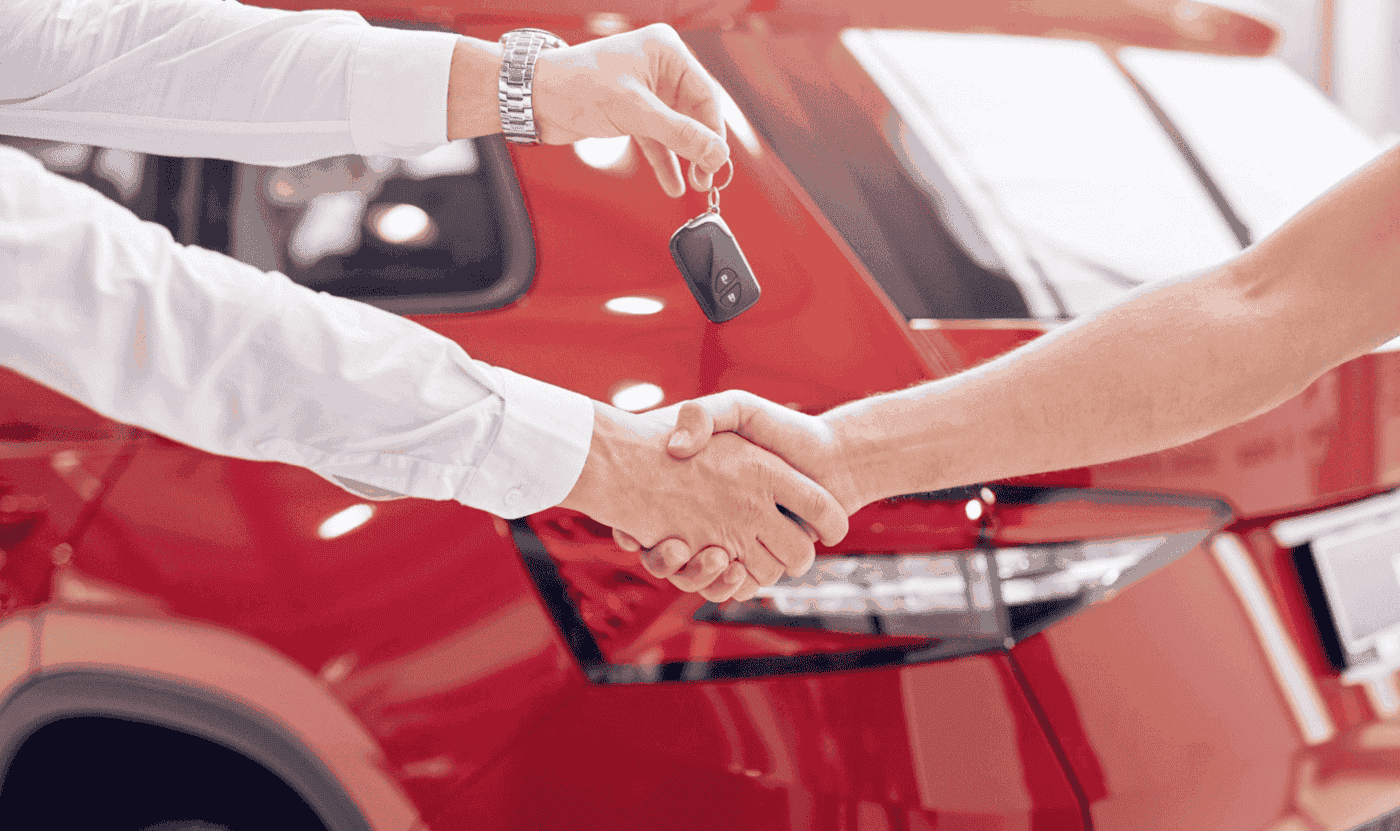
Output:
x,y
1167,364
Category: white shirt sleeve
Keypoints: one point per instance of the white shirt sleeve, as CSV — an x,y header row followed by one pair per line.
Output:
x,y
212,352
220,79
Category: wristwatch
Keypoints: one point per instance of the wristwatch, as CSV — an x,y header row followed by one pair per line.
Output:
x,y
522,48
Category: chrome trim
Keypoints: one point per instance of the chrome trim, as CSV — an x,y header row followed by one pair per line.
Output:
x,y
1295,681
1293,532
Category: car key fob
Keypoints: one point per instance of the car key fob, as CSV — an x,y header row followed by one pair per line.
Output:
x,y
713,266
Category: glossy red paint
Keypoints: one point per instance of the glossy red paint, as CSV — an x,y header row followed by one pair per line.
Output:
x,y
949,745
421,636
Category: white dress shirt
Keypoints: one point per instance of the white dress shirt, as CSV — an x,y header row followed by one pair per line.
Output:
x,y
209,351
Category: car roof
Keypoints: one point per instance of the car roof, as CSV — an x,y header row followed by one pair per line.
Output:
x,y
1202,27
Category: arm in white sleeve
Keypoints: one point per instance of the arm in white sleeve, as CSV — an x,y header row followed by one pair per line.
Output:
x,y
210,78
219,355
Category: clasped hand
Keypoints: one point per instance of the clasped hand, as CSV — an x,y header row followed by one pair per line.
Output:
x,y
697,489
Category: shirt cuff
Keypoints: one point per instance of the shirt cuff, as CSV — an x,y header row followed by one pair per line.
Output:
x,y
398,91
539,452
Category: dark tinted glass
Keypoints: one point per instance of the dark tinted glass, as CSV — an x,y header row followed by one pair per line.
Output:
x,y
443,232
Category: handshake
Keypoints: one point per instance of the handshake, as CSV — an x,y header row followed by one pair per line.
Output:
x,y
721,495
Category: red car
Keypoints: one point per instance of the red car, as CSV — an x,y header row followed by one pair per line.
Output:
x,y
1203,638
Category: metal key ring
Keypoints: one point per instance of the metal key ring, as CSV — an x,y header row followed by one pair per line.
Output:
x,y
713,195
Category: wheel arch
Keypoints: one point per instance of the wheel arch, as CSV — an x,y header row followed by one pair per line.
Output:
x,y
215,684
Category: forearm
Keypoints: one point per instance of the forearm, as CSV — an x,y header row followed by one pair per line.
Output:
x,y
216,354
1169,363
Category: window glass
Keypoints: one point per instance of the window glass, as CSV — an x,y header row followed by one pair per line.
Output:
x,y
446,231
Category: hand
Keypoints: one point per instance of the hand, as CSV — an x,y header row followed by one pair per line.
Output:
x,y
726,496
806,442
645,84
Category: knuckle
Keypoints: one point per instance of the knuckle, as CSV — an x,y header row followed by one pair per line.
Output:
x,y
660,563
691,137
662,31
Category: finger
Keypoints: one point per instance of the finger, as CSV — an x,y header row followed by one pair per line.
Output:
x,y
702,570
694,426
698,95
789,543
760,563
663,164
626,541
682,135
665,558
699,179
810,501
747,590
729,581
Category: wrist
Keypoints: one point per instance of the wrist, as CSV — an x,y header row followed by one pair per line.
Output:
x,y
609,480
472,107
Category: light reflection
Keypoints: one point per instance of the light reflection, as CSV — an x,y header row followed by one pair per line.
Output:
x,y
402,224
602,153
634,305
122,168
343,522
738,124
331,225
1294,677
454,158
636,395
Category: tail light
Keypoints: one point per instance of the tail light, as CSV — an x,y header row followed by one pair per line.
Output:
x,y
918,579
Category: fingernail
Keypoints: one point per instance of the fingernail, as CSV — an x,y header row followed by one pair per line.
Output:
x,y
678,438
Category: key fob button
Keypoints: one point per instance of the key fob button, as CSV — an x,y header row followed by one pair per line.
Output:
x,y
714,268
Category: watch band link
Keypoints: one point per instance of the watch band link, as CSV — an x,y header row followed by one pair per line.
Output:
x,y
515,91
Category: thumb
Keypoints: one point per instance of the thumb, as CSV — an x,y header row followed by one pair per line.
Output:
x,y
626,541
694,426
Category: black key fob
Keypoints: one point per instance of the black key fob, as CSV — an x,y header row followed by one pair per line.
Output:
x,y
714,267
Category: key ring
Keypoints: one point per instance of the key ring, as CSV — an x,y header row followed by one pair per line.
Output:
x,y
713,196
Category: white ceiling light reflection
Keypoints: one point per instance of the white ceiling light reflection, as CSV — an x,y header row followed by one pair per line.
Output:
x,y
331,225
739,126
602,153
403,224
343,522
634,396
634,305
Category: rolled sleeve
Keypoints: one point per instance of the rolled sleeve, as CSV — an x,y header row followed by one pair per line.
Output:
x,y
398,91
539,452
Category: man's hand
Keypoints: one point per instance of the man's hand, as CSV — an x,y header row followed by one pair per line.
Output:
x,y
727,496
645,84
806,442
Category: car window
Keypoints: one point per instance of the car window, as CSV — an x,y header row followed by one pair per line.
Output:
x,y
839,152
446,231
1270,139
1070,157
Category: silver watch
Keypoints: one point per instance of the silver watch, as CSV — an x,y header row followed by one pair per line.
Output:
x,y
515,93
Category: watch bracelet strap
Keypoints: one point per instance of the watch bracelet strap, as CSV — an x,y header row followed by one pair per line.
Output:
x,y
515,88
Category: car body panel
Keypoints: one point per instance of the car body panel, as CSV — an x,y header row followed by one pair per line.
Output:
x,y
422,621
946,745
418,656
